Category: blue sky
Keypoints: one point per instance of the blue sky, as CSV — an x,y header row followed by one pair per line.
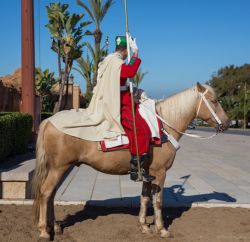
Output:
x,y
180,41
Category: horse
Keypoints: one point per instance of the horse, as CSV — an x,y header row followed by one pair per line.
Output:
x,y
56,152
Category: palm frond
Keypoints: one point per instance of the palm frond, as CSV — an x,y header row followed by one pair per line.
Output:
x,y
80,3
105,8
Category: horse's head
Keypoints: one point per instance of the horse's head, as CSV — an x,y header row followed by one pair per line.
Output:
x,y
209,109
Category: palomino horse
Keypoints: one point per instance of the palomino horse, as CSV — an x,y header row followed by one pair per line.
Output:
x,y
56,152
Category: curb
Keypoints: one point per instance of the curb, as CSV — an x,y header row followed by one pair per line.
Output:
x,y
168,205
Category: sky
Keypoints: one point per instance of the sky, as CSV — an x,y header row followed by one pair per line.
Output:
x,y
180,42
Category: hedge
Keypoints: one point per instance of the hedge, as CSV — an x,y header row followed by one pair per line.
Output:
x,y
15,133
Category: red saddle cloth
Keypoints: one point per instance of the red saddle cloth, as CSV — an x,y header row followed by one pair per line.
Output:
x,y
154,141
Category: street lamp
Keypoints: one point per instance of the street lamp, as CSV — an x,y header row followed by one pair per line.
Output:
x,y
107,44
245,98
244,105
71,79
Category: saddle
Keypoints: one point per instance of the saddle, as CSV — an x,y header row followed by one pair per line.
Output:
x,y
122,141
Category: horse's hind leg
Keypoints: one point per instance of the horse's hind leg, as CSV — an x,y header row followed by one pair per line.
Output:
x,y
55,226
45,224
145,198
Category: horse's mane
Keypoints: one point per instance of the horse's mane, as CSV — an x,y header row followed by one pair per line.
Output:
x,y
210,89
181,104
187,92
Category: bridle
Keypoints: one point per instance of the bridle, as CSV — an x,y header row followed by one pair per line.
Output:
x,y
203,98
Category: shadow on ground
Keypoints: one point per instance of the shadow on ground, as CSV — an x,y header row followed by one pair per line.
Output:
x,y
11,163
130,205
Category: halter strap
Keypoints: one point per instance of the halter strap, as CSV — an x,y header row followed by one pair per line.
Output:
x,y
199,107
203,98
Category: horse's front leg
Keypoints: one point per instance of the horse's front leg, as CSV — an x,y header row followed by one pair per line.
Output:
x,y
157,189
145,198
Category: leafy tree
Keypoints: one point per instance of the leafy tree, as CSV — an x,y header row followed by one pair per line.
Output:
x,y
66,32
44,82
231,84
96,12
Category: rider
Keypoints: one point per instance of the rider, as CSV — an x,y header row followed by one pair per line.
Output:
x,y
143,131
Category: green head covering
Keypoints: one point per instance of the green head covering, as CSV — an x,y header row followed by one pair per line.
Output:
x,y
121,41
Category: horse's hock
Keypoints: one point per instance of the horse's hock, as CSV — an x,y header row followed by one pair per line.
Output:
x,y
15,179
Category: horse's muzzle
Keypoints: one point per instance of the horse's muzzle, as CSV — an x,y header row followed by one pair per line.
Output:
x,y
222,127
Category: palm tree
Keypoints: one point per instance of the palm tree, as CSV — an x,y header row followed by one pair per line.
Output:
x,y
84,68
56,15
66,33
96,12
139,77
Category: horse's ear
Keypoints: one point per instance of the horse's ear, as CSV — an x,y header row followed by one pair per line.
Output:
x,y
200,88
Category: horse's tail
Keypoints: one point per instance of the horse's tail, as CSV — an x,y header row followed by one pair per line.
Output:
x,y
41,170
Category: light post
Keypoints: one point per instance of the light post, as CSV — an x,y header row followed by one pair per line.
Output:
x,y
245,99
107,45
71,79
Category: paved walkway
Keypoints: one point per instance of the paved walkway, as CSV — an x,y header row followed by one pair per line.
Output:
x,y
214,171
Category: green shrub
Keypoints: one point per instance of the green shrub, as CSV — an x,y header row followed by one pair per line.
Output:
x,y
15,133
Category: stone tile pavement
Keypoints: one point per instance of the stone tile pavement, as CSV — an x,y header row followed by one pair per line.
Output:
x,y
204,171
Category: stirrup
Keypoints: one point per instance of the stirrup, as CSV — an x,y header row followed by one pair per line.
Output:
x,y
147,178
134,176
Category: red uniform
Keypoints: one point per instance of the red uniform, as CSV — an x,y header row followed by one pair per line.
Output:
x,y
143,131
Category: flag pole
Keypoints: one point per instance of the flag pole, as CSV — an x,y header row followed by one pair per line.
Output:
x,y
131,95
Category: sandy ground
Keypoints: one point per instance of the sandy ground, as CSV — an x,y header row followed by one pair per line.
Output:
x,y
92,224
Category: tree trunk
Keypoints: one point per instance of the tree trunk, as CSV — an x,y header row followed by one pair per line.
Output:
x,y
67,72
61,91
95,77
59,61
66,92
89,87
58,104
98,39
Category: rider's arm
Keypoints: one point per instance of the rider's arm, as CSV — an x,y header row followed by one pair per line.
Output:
x,y
129,70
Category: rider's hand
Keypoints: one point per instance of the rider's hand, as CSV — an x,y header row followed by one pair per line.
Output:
x,y
132,44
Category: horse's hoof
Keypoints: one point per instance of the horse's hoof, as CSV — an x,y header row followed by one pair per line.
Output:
x,y
44,236
164,233
57,229
145,229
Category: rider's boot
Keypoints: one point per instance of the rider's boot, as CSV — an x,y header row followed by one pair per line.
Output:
x,y
134,168
144,171
144,176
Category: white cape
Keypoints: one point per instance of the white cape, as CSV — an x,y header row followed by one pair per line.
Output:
x,y
102,119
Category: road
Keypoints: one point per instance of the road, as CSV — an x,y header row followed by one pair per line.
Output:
x,y
230,131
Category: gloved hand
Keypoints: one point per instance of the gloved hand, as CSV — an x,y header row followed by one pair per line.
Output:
x,y
132,44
